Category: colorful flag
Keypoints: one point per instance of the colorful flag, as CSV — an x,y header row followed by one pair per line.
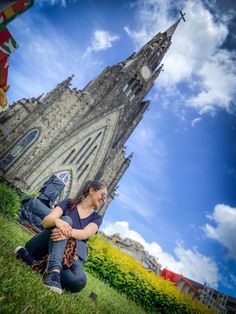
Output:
x,y
7,43
9,9
3,71
7,46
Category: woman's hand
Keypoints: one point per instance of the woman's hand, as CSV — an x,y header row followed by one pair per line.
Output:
x,y
64,227
58,235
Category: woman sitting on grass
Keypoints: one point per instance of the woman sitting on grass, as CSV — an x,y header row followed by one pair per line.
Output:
x,y
72,218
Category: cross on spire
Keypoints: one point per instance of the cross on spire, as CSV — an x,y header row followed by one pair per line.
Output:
x,y
170,31
182,15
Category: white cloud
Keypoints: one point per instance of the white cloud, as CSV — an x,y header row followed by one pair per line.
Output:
x,y
133,197
101,40
122,227
217,74
62,3
224,232
195,57
195,121
188,262
42,61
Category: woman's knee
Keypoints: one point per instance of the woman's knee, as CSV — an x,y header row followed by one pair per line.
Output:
x,y
80,283
67,219
77,284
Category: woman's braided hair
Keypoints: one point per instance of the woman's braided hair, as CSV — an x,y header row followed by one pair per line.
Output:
x,y
84,192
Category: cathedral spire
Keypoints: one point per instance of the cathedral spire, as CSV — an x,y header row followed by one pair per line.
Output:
x,y
170,31
142,69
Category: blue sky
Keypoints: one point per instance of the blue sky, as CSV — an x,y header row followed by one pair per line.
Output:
x,y
177,197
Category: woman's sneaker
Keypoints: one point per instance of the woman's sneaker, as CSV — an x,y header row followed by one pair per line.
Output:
x,y
53,281
22,254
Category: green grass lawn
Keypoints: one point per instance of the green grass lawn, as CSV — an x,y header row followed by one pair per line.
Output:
x,y
22,290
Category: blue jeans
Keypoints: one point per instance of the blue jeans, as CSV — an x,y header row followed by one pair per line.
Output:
x,y
73,278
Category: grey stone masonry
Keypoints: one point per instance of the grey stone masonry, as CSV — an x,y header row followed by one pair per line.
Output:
x,y
81,133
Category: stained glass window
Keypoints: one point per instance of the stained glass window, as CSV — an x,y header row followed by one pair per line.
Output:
x,y
18,149
66,177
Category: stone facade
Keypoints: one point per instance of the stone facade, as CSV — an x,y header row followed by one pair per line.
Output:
x,y
81,133
136,250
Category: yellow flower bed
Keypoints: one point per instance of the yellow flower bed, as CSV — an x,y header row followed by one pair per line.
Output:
x,y
127,275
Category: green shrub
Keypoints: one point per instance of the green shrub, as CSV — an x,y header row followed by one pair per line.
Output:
x,y
125,274
9,202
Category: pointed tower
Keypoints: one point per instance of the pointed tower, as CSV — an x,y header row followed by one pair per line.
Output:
x,y
76,134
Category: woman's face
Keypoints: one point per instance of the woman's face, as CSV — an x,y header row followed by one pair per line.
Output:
x,y
99,197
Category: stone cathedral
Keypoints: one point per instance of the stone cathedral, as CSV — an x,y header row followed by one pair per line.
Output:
x,y
80,134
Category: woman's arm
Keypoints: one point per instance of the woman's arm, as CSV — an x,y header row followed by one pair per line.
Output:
x,y
78,234
85,233
49,220
53,219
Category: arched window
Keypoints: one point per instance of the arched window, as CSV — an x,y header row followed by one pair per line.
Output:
x,y
155,60
66,177
19,149
134,86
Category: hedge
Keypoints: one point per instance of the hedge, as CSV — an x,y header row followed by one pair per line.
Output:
x,y
9,202
128,276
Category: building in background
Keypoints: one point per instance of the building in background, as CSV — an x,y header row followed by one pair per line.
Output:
x,y
182,283
136,250
211,298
